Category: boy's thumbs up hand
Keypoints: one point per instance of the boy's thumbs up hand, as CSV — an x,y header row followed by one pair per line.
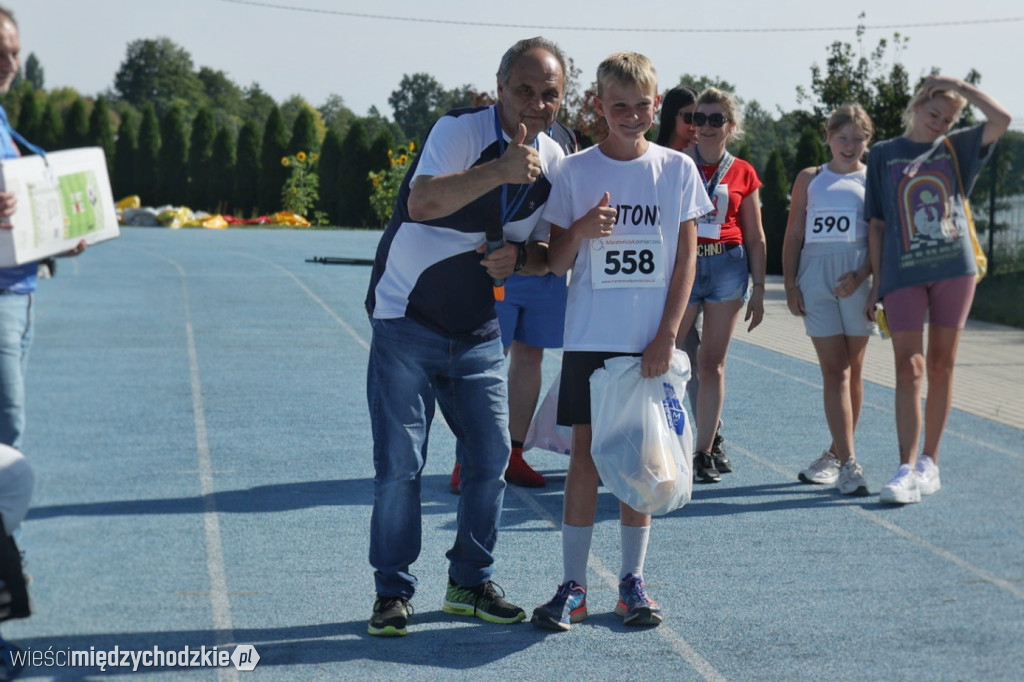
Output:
x,y
520,164
598,221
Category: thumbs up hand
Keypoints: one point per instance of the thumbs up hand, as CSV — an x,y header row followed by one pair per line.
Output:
x,y
598,221
521,162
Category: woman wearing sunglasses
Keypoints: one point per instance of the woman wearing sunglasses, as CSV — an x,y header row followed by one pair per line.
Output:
x,y
676,131
730,247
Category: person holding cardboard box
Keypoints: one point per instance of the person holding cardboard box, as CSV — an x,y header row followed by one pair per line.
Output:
x,y
17,283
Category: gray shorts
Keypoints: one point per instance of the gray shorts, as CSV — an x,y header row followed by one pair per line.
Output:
x,y
825,314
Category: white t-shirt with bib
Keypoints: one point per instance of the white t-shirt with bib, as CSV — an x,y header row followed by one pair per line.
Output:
x,y
620,283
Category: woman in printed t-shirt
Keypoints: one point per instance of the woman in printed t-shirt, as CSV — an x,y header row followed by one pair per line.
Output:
x,y
825,262
922,260
730,248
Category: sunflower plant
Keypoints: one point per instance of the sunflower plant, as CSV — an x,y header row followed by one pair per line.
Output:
x,y
299,194
386,182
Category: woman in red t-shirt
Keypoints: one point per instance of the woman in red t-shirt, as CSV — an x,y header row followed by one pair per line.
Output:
x,y
730,248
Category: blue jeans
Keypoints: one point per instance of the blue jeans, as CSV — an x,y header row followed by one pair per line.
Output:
x,y
15,341
410,368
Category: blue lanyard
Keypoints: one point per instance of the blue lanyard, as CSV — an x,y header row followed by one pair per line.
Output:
x,y
35,149
522,191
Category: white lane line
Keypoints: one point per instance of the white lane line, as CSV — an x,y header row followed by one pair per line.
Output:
x,y
893,528
220,604
886,410
344,325
611,580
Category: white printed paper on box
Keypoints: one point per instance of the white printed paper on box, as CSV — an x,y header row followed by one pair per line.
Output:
x,y
60,201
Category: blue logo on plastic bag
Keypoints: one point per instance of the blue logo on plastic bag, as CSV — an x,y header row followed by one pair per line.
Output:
x,y
674,412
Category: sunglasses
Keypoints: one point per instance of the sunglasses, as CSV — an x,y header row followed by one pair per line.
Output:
x,y
698,119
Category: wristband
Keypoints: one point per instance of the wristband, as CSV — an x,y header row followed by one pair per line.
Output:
x,y
520,255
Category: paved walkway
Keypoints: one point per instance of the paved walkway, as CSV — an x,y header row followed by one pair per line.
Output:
x,y
989,369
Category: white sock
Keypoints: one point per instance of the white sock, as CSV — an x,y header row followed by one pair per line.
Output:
x,y
634,549
575,553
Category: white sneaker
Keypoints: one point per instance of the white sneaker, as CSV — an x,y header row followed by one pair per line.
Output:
x,y
902,489
851,480
823,471
927,474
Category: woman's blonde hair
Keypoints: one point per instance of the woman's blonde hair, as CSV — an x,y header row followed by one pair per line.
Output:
x,y
728,103
848,114
923,96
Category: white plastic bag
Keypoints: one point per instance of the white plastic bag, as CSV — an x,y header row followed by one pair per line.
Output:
x,y
544,432
643,442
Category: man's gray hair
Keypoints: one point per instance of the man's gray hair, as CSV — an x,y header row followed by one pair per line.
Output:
x,y
525,45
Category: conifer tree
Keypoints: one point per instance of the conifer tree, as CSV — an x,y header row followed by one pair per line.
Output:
x,y
304,137
247,173
330,176
76,126
101,131
51,133
173,185
222,171
204,129
354,184
775,209
125,151
272,173
147,159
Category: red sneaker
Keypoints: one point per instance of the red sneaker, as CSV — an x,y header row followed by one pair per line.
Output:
x,y
455,481
519,472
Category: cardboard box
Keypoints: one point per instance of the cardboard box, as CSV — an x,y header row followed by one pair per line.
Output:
x,y
61,200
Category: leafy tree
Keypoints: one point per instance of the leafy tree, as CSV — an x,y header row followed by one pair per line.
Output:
x,y
76,125
101,131
375,122
224,97
417,103
247,173
743,152
865,79
336,115
222,170
173,186
354,184
125,150
200,151
330,176
272,173
34,71
305,136
147,160
158,71
51,134
258,105
775,209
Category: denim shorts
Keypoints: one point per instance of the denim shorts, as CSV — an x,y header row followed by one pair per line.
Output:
x,y
723,277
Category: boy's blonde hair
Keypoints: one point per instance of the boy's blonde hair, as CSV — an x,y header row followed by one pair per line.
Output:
x,y
728,104
627,68
848,114
923,96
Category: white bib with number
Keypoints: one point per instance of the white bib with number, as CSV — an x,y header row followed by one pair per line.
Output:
x,y
710,225
626,262
831,225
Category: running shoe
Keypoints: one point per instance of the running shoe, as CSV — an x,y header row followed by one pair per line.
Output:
x,y
522,474
486,602
390,615
823,471
704,470
927,474
903,488
568,606
635,606
851,480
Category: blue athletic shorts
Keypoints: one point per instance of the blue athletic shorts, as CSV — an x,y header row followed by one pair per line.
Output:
x,y
533,311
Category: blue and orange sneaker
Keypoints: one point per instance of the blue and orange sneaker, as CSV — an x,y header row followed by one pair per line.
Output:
x,y
568,606
635,606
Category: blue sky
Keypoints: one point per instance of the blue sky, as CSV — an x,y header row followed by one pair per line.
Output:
x,y
314,54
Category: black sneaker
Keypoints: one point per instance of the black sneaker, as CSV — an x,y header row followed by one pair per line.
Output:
x,y
722,462
704,470
390,614
483,601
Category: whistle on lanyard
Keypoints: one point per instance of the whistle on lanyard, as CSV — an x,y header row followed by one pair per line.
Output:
x,y
498,284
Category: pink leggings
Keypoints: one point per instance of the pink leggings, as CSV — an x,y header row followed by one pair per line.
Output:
x,y
947,303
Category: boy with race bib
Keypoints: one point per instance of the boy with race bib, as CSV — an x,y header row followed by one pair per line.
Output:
x,y
826,266
629,210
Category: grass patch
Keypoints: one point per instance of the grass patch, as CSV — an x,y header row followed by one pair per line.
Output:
x,y
999,299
